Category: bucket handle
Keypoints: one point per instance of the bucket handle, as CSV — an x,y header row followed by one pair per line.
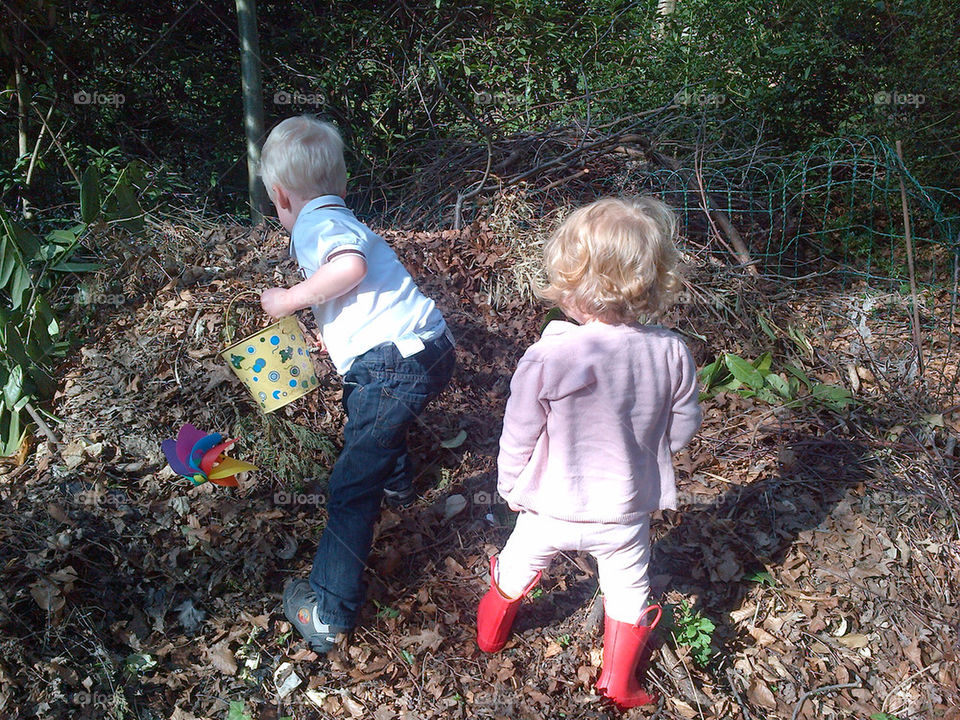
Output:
x,y
229,334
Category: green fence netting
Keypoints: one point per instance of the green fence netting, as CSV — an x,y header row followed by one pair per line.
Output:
x,y
837,203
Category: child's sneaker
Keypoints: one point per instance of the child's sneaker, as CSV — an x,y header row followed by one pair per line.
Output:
x,y
400,498
300,608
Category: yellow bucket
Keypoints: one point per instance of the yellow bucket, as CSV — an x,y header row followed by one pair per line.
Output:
x,y
274,364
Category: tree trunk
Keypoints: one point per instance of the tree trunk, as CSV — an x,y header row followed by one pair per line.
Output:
x,y
23,108
252,102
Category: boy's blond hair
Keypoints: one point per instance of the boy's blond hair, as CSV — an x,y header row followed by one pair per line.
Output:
x,y
304,155
614,260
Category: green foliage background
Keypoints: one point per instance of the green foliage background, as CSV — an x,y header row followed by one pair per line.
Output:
x,y
395,75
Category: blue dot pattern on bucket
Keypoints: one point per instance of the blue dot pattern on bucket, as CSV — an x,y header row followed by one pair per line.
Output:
x,y
250,349
276,394
275,340
274,376
258,364
294,370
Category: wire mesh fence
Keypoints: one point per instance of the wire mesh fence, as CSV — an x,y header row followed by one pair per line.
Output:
x,y
837,203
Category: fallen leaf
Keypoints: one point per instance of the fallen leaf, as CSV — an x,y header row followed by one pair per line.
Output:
x,y
683,708
743,613
760,694
762,637
221,657
853,641
47,595
353,707
58,514
553,648
586,674
426,640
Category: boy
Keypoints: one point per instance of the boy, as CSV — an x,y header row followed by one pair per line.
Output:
x,y
388,341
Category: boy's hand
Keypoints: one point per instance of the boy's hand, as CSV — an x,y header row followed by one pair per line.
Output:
x,y
273,302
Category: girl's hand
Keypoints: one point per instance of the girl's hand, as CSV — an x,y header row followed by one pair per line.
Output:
x,y
272,301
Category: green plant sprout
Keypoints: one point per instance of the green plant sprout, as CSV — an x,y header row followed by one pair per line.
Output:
x,y
690,629
762,577
385,611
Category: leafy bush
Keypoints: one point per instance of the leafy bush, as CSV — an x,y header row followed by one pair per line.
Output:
x,y
731,373
32,268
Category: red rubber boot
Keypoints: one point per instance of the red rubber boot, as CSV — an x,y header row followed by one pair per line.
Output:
x,y
496,612
626,653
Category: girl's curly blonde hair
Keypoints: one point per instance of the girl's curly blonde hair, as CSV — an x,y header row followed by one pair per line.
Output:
x,y
614,260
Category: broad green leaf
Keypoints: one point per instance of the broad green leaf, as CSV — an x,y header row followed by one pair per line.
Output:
x,y
832,396
45,313
19,284
765,326
28,243
11,432
13,348
237,711
710,375
90,194
8,260
744,371
798,374
128,209
13,389
763,363
780,385
66,238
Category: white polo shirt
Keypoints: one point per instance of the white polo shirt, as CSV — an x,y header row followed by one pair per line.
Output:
x,y
385,307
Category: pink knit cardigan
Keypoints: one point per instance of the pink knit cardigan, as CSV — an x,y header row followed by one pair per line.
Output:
x,y
594,415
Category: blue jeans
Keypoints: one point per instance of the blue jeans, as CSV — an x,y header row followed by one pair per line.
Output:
x,y
383,393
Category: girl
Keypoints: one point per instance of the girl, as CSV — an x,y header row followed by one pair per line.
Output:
x,y
595,412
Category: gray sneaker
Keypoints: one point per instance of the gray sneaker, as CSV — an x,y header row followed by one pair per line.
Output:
x,y
300,608
400,498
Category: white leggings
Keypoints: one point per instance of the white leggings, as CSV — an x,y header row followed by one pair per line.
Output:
x,y
622,553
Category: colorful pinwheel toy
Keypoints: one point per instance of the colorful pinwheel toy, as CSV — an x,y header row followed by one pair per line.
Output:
x,y
200,457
